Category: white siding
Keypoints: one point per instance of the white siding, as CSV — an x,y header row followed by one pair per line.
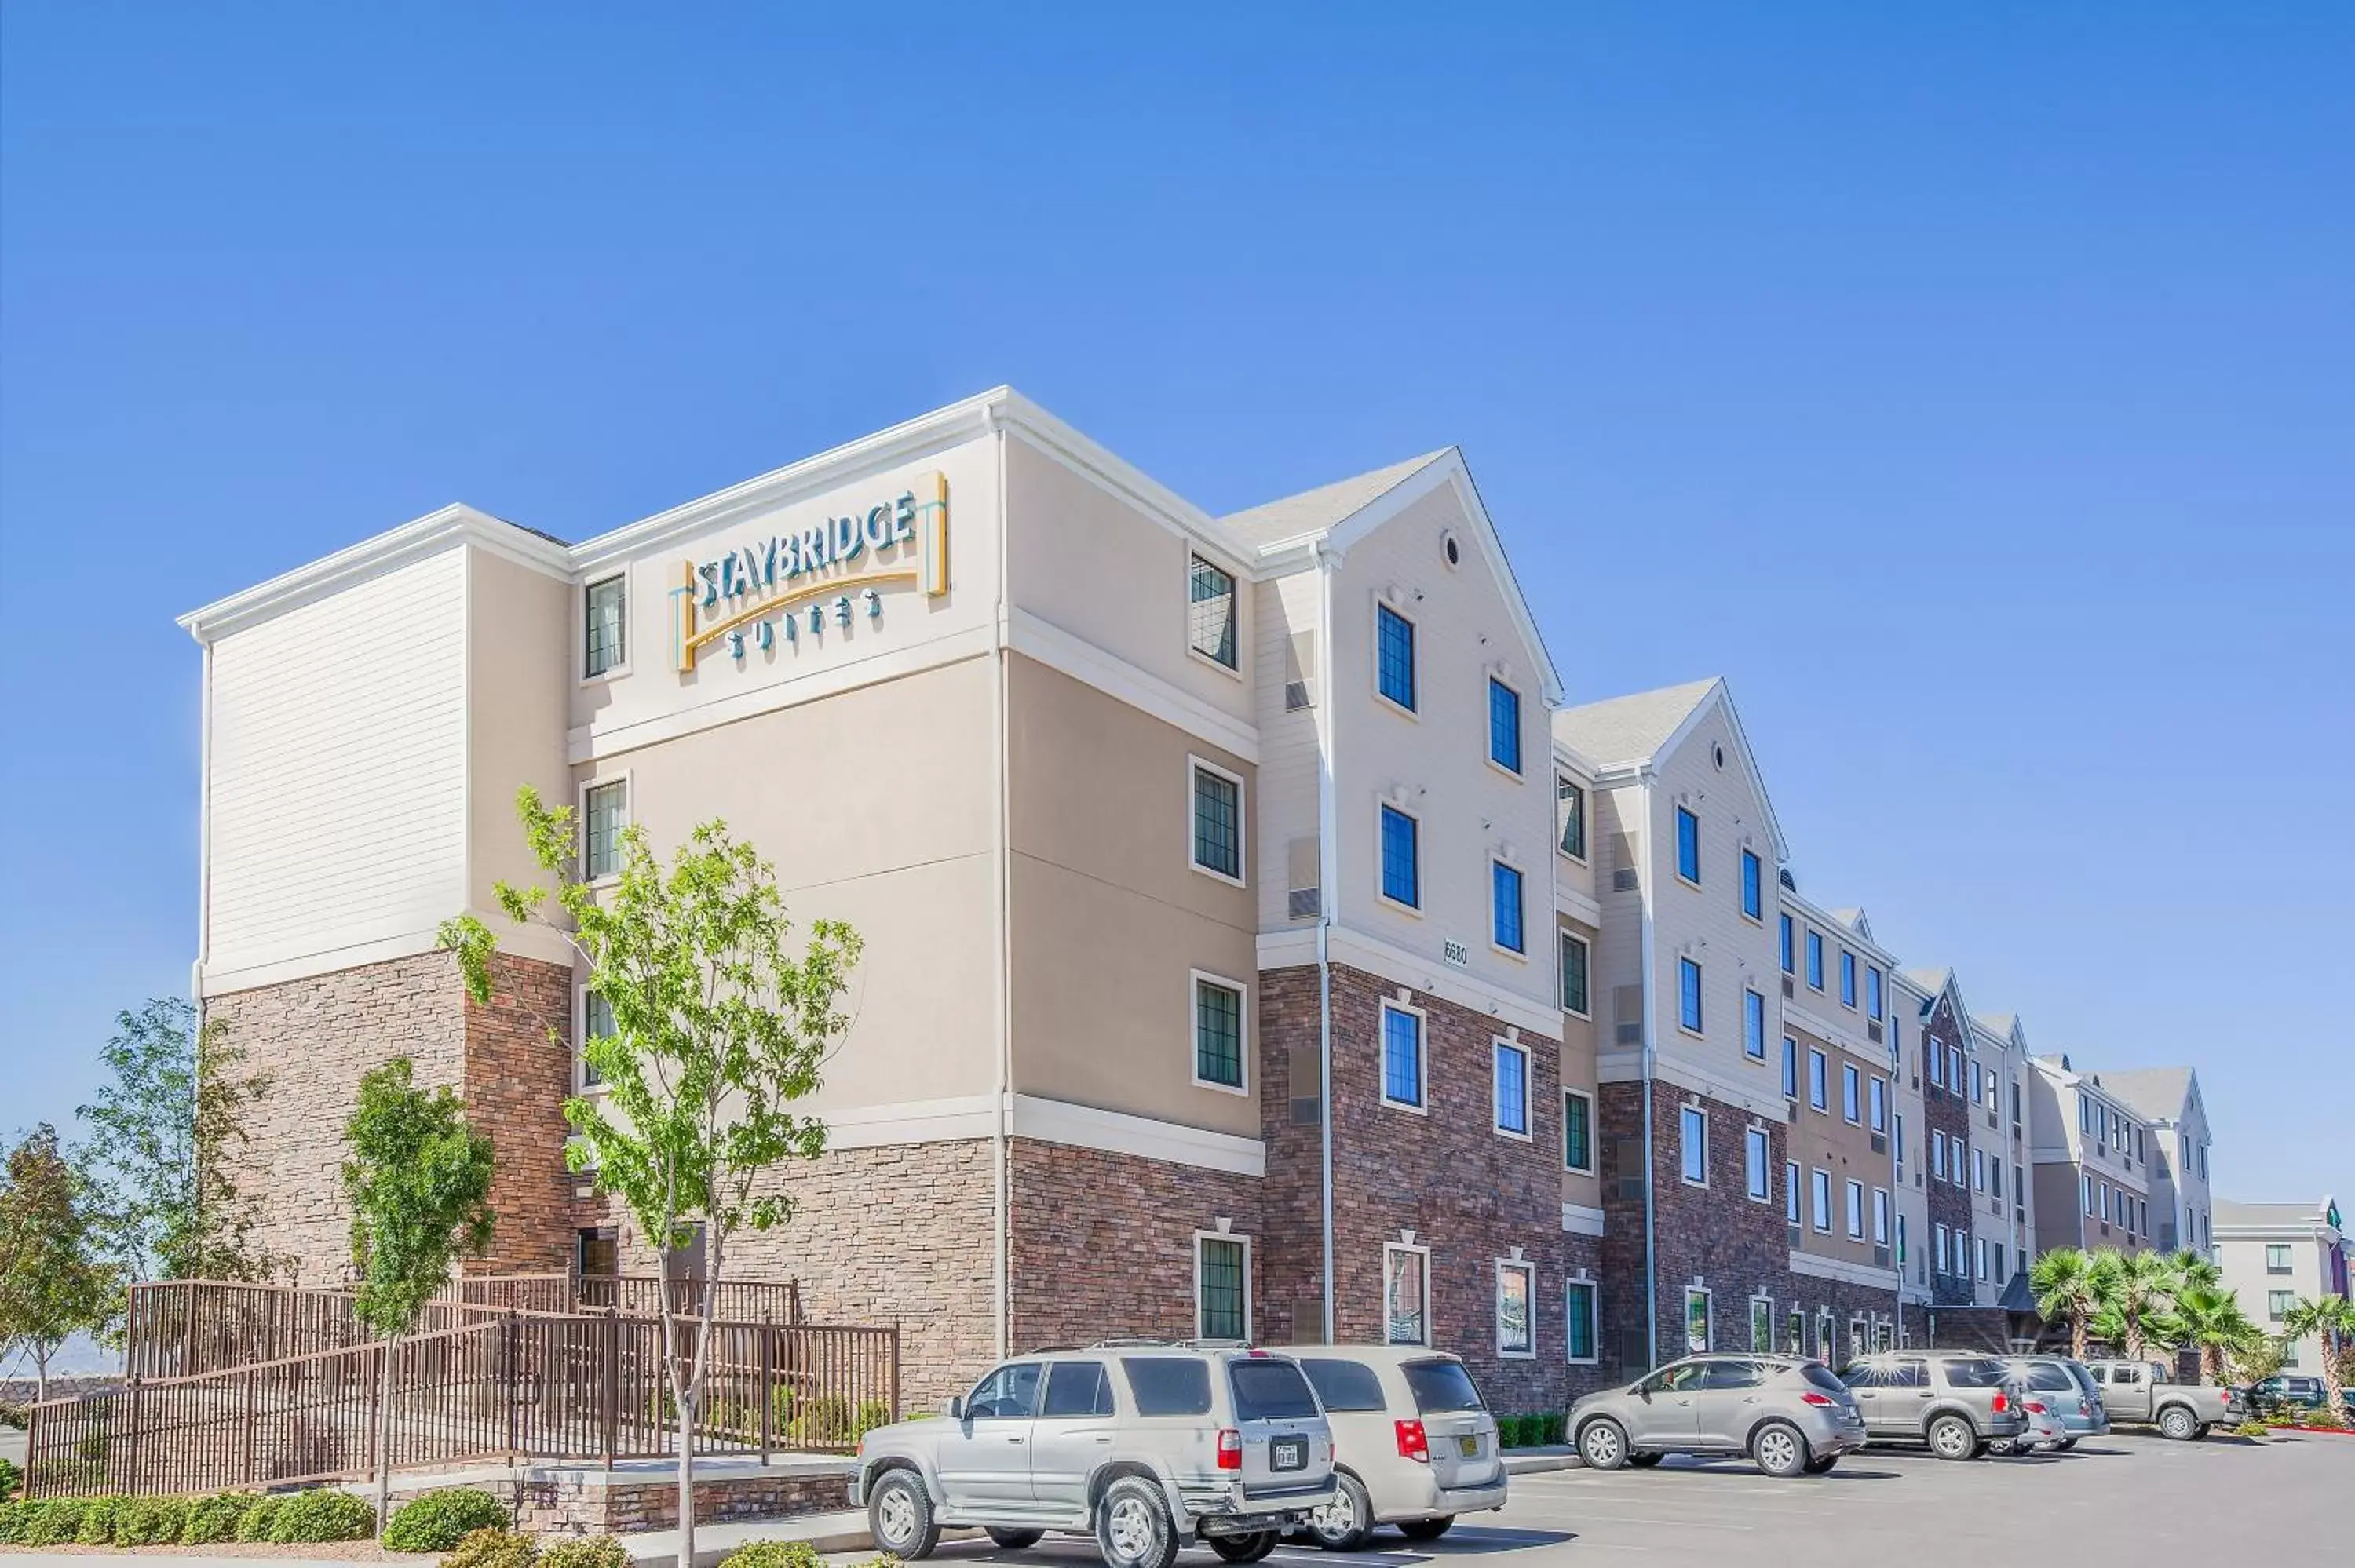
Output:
x,y
1286,610
337,786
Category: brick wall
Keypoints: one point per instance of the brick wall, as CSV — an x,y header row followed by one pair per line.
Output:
x,y
1949,1114
518,1072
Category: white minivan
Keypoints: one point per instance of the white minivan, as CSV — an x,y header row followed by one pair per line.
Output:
x,y
1413,1444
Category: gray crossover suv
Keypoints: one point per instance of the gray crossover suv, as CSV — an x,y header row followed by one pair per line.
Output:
x,y
1952,1400
1146,1446
1788,1415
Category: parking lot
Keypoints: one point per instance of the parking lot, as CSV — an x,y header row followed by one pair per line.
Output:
x,y
2118,1499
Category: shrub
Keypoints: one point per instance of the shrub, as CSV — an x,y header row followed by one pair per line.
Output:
x,y
10,1479
590,1551
323,1515
772,1554
98,1517
438,1521
492,1548
213,1520
2251,1430
150,1521
260,1514
54,1522
11,1522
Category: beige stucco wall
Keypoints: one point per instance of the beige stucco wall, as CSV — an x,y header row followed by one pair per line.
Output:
x,y
1578,1035
518,631
1109,918
1825,1141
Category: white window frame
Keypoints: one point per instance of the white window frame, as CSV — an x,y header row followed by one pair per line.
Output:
x,y
1753,1002
1880,1206
1381,894
581,816
1594,1288
1683,1144
1243,821
1202,1237
1586,822
1757,1300
1709,1319
1521,735
1391,1250
1235,580
1818,1057
1676,844
1497,1046
581,1084
1851,1094
1819,1200
1562,984
1587,1169
1521,953
1756,1139
1528,1270
581,628
1876,1100
1194,978
1701,996
1422,1057
1374,661
1793,1207
1855,1196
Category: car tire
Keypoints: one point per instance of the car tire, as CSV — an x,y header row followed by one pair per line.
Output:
x,y
1349,1523
2063,1446
1779,1449
1245,1548
899,1517
1014,1540
1825,1466
2004,1447
1426,1529
1644,1461
1602,1443
1132,1525
2177,1424
1951,1438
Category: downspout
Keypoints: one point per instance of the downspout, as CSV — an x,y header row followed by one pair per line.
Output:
x,y
1328,862
1650,1061
1002,1101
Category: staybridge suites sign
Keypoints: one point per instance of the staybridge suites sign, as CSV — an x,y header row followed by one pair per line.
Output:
x,y
794,586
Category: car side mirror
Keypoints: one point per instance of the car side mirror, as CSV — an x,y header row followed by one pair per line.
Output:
x,y
953,1407
1645,1394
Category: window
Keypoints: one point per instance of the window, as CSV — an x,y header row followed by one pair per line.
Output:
x,y
1938,1054
1979,1170
2087,1181
1980,1250
1573,974
1879,1098
1852,1111
1819,1194
1221,1287
1168,1385
1880,1216
596,1023
605,613
1946,1257
1504,725
1401,870
1696,1322
1856,1211
2278,1303
1847,979
1402,1056
1995,1178
1898,1144
1938,1155
1077,1388
1791,1192
1753,1025
1516,1287
1796,1326
1754,1163
1753,893
1817,1090
1011,1393
1578,1304
1693,1128
1997,1251
1688,845
605,808
1217,822
1406,1295
1816,960
1784,943
1762,1324
2277,1257
1512,1089
1688,994
1577,1131
1394,657
1345,1385
1569,812
1872,991
1218,1033
1790,1068
1210,614
1505,905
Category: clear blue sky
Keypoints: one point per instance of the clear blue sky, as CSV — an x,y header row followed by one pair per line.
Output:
x,y
1974,386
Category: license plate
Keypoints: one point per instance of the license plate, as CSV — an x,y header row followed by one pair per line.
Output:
x,y
1288,1453
1468,1446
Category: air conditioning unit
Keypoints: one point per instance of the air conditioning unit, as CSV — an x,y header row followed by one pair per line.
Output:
x,y
1787,992
1623,880
1871,1030
1881,1256
1879,1144
1304,1111
1302,903
1797,1236
1295,696
1629,1034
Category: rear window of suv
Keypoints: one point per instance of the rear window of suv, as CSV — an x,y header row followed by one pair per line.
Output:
x,y
2046,1378
1345,1386
1441,1387
1270,1390
1975,1374
1168,1385
1819,1376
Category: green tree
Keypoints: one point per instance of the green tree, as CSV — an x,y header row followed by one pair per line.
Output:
x,y
2330,1319
419,1183
2063,1282
53,1285
2133,1292
717,1032
2209,1321
161,1157
2194,1268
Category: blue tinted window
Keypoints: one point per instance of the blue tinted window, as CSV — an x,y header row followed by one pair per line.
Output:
x,y
1394,656
1816,960
1753,894
1512,1089
1504,725
1505,896
1872,991
1402,1056
1788,963
1688,845
1847,979
1753,1025
1790,1068
1688,994
1402,878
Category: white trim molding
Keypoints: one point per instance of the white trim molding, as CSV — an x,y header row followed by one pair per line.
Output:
x,y
1117,1133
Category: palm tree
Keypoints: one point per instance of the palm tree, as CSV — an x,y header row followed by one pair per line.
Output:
x,y
2137,1288
2063,1282
2211,1322
2331,1319
2194,1268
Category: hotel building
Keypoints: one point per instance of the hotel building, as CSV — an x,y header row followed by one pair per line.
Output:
x,y
2092,1166
2274,1256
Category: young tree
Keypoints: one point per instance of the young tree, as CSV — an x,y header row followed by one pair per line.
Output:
x,y
717,1032
160,1158
2064,1285
419,1183
2134,1290
2331,1319
2211,1322
52,1287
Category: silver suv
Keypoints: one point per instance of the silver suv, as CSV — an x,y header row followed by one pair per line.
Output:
x,y
1787,1414
1954,1401
1147,1445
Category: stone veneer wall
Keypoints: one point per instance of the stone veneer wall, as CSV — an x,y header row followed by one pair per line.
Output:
x,y
1949,1203
1469,1194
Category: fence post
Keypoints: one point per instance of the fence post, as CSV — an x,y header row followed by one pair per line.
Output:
x,y
132,1485
188,1334
895,1369
768,1385
612,1391
513,1356
382,1360
247,1439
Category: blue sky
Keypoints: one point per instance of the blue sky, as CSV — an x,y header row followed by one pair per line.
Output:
x,y
1970,386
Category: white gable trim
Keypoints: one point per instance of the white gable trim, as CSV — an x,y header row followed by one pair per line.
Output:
x,y
1721,695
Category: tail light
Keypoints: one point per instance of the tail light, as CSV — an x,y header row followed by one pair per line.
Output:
x,y
1230,1449
2084,1409
2001,1403
2034,1408
1413,1442
1817,1399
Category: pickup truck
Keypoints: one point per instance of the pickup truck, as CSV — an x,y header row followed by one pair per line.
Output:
x,y
2145,1392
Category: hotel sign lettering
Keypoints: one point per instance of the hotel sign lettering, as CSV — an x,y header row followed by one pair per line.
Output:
x,y
812,583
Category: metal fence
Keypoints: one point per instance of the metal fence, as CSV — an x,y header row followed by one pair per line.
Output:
x,y
512,1385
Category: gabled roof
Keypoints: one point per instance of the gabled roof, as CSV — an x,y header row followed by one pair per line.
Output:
x,y
1317,511
2156,1094
2228,1212
1996,1022
1855,921
1622,730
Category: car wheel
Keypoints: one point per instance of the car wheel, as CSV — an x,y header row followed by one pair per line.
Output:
x,y
2176,1421
1951,1438
1132,1526
1426,1529
1347,1524
1244,1547
1016,1539
1823,1467
1644,1461
899,1515
2063,1446
2003,1447
1778,1450
1602,1443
